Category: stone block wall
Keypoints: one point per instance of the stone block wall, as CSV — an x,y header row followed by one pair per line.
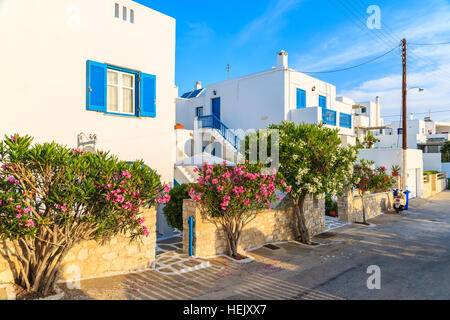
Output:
x,y
350,207
433,184
268,226
90,259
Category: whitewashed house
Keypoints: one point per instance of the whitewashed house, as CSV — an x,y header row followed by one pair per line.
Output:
x,y
97,74
255,101
426,135
271,96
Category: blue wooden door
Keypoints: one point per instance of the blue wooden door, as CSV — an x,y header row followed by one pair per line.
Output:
x,y
215,102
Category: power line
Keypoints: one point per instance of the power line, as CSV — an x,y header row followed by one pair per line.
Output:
x,y
429,44
428,112
353,67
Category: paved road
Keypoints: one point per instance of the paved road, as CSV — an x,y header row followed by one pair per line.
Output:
x,y
411,250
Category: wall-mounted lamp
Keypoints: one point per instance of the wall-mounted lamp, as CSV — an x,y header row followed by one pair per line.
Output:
x,y
313,88
214,92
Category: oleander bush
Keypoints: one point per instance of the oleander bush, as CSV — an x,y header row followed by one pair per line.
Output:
x,y
173,210
52,197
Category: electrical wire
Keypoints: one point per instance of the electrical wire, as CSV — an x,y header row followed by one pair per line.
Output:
x,y
353,67
429,44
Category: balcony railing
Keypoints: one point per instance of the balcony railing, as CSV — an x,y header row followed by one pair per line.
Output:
x,y
212,122
329,116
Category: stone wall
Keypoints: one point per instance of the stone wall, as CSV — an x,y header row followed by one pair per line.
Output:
x,y
434,183
268,226
350,206
90,259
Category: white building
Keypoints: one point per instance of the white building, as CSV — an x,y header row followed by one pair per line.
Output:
x,y
390,157
100,70
367,118
426,135
258,100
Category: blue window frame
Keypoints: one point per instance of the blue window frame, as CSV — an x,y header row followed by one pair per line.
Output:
x,y
322,101
301,98
345,120
198,111
140,86
329,116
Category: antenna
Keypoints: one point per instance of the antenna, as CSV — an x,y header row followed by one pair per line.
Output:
x,y
228,70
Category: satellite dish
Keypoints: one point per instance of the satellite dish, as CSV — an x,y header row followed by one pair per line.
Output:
x,y
90,149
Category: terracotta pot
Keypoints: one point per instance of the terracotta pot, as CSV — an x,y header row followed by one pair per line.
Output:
x,y
333,214
179,126
395,174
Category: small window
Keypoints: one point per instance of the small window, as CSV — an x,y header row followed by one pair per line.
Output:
x,y
301,98
124,13
363,110
199,111
132,16
322,101
120,92
116,10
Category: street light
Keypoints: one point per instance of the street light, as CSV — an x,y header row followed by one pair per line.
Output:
x,y
418,88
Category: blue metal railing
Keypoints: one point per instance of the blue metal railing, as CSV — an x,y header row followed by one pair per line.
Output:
x,y
345,120
212,122
191,236
329,116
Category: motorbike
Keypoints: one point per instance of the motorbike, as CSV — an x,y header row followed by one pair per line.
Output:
x,y
399,201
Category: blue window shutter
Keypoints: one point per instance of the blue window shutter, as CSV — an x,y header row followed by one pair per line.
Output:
x,y
301,98
322,101
95,86
148,95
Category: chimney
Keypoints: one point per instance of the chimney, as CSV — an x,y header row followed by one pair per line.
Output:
x,y
198,85
282,59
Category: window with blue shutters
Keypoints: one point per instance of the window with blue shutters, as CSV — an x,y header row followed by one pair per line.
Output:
x,y
96,86
148,95
345,120
115,90
322,101
301,98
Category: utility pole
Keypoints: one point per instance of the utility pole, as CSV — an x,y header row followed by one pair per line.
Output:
x,y
404,118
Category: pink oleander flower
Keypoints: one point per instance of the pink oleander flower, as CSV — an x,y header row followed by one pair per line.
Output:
x,y
126,174
11,179
145,231
26,210
141,220
166,188
30,223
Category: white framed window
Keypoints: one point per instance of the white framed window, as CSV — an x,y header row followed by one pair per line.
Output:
x,y
121,92
116,10
124,13
131,15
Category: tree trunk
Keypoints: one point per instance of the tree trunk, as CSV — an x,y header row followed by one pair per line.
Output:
x,y
232,230
302,230
364,209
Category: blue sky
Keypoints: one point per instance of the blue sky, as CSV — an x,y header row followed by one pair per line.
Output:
x,y
318,35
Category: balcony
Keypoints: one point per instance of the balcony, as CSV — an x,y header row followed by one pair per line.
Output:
x,y
315,115
329,116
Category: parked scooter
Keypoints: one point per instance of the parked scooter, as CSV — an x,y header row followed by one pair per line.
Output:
x,y
399,200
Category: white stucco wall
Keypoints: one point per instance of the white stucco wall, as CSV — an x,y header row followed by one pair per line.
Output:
x,y
390,157
250,102
258,100
446,168
45,45
432,161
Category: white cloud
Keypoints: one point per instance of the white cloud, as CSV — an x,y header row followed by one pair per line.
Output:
x,y
428,66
